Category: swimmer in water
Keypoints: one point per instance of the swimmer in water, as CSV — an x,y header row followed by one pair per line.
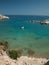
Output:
x,y
22,27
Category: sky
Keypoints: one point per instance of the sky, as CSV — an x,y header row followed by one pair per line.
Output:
x,y
24,7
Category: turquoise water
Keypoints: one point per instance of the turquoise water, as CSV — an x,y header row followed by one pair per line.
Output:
x,y
34,35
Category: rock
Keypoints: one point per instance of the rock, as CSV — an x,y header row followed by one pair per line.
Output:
x,y
44,22
3,17
23,60
4,45
20,52
30,52
47,63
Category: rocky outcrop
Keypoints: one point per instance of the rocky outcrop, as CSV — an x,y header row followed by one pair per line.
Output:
x,y
3,17
23,60
5,59
44,22
4,45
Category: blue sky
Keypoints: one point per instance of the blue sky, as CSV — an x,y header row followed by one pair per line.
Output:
x,y
24,7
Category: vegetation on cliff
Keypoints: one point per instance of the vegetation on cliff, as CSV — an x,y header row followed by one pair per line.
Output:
x,y
13,54
4,45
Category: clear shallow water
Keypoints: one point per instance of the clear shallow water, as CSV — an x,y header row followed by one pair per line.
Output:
x,y
34,35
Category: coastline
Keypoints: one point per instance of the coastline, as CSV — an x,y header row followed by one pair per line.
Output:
x,y
6,59
35,56
41,56
23,60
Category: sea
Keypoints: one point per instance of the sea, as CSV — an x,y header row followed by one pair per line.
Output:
x,y
25,32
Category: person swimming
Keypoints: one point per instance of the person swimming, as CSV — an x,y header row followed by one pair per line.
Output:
x,y
22,27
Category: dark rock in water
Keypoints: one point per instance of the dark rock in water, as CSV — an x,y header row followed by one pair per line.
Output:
x,y
30,52
25,48
47,63
10,30
20,52
37,38
14,39
4,45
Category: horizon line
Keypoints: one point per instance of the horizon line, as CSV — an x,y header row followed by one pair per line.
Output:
x,y
25,15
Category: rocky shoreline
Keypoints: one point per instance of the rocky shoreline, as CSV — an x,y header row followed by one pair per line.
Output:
x,y
5,59
23,60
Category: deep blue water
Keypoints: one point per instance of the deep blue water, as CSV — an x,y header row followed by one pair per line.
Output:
x,y
34,35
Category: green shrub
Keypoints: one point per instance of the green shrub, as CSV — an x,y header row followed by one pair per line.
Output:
x,y
13,54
